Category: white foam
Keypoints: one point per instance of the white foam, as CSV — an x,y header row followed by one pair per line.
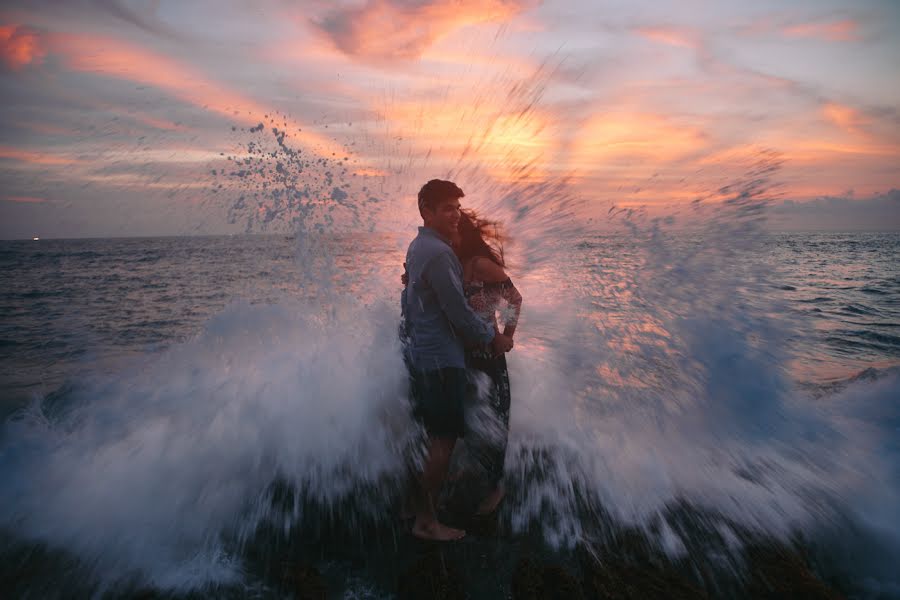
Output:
x,y
662,384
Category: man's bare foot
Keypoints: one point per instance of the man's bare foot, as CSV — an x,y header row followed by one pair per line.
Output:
x,y
491,502
436,532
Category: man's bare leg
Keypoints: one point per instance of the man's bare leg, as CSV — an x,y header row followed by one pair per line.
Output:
x,y
427,526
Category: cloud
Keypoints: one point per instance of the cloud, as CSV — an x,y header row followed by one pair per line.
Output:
x,y
122,60
20,47
35,158
670,36
145,18
832,31
634,138
396,30
24,199
78,14
830,213
843,116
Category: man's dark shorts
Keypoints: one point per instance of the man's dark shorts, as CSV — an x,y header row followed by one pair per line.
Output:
x,y
438,399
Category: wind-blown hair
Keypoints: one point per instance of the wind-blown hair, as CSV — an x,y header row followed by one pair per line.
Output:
x,y
478,237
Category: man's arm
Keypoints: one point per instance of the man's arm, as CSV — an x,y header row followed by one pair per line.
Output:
x,y
445,278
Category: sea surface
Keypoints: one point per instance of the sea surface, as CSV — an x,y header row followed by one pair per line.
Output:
x,y
156,393
75,307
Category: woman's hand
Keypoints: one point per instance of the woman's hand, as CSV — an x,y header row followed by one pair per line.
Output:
x,y
501,344
404,279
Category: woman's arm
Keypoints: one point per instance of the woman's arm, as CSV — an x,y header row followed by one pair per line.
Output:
x,y
514,300
488,271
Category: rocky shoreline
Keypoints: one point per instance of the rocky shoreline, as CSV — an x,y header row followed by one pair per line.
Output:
x,y
491,563
331,554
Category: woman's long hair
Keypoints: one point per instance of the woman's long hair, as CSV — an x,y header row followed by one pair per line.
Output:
x,y
478,237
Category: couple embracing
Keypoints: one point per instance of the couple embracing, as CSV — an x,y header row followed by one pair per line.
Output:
x,y
454,285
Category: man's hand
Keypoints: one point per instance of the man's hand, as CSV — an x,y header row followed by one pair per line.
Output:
x,y
501,343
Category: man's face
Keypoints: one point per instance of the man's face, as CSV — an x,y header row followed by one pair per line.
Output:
x,y
445,217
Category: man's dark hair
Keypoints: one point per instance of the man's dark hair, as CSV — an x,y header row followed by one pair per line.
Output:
x,y
436,191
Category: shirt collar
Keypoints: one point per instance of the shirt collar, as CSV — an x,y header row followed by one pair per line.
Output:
x,y
429,231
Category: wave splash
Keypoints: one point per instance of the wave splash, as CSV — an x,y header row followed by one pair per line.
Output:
x,y
650,373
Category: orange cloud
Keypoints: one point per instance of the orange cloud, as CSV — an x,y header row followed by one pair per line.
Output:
x,y
35,158
835,31
370,173
45,128
444,54
844,117
388,30
502,141
145,119
668,35
817,150
20,47
115,58
633,137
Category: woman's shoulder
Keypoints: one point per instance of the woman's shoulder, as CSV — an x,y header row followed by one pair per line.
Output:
x,y
486,270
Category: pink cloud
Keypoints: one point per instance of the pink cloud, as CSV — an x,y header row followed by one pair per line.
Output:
x,y
670,36
834,31
390,30
123,60
844,117
19,47
35,158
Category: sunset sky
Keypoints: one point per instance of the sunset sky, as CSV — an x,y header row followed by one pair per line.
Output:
x,y
119,117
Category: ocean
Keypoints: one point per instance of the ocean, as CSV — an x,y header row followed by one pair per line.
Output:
x,y
181,414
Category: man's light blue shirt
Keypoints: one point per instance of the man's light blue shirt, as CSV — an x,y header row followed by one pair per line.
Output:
x,y
438,319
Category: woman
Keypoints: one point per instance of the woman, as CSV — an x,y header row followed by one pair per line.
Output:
x,y
487,287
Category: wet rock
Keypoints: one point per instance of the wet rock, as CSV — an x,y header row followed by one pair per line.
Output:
x,y
635,574
483,526
550,582
622,581
307,583
527,581
777,573
431,578
559,584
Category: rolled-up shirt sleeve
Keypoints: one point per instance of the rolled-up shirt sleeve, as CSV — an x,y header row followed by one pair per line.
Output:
x,y
445,277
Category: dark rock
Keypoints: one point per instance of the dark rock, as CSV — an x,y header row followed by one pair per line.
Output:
x,y
776,573
431,578
527,581
307,583
559,584
550,582
619,578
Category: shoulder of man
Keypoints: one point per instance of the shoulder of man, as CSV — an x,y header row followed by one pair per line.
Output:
x,y
438,261
432,246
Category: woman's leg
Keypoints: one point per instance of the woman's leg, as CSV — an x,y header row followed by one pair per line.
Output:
x,y
491,453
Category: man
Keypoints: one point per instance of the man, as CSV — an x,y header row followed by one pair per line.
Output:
x,y
438,325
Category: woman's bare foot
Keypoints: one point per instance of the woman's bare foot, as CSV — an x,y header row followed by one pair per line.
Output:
x,y
435,531
491,502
